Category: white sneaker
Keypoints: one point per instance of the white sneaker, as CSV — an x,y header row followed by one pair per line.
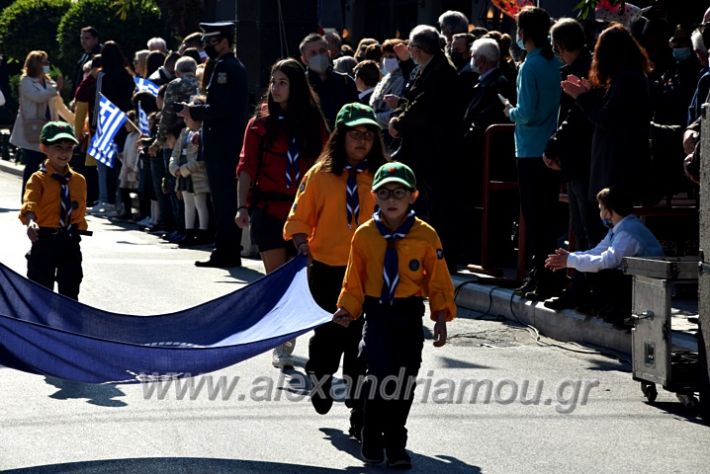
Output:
x,y
281,359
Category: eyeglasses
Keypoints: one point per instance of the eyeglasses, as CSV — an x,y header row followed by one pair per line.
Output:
x,y
398,194
357,135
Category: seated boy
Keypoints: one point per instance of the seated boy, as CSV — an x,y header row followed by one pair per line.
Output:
x,y
627,237
396,260
53,208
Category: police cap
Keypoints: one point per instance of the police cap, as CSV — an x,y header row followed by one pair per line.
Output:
x,y
218,29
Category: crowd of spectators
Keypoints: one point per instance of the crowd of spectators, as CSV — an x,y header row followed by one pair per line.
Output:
x,y
593,105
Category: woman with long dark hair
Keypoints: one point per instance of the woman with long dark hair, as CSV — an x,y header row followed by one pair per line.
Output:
x,y
115,82
535,118
281,142
334,198
616,100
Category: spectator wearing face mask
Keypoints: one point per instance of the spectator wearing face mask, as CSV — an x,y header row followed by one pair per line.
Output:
x,y
460,56
392,82
427,115
333,88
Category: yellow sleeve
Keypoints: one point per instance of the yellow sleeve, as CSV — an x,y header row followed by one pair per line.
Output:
x,y
31,198
352,295
82,111
303,217
439,287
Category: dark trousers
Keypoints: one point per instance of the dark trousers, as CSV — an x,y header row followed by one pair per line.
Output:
x,y
157,173
31,159
392,342
56,258
332,341
586,224
539,192
612,292
221,169
91,175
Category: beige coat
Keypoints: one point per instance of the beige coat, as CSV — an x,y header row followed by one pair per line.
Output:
x,y
34,99
193,168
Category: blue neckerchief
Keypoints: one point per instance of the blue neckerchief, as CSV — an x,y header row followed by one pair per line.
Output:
x,y
391,268
352,200
293,173
65,197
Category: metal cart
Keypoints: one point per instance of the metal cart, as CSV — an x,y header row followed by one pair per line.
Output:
x,y
655,360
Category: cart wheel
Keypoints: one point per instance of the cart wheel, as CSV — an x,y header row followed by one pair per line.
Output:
x,y
688,400
649,391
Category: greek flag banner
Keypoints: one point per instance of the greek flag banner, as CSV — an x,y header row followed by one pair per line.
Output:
x,y
45,333
144,85
110,120
143,121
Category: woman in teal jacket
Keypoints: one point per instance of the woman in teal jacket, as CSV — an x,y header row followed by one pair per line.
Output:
x,y
535,118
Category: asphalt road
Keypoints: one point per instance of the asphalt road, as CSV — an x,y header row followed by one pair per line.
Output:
x,y
266,423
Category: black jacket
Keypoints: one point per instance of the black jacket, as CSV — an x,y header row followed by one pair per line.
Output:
x,y
337,90
620,143
79,69
428,117
571,144
485,108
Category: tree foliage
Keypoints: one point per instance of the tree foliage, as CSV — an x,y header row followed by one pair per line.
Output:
x,y
130,29
28,25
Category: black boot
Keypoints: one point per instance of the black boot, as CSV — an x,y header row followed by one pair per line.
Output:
x,y
189,240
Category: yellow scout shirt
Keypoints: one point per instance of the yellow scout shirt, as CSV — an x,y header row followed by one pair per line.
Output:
x,y
42,198
319,212
422,269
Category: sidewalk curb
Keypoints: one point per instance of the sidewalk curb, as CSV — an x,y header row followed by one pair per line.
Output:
x,y
11,167
567,325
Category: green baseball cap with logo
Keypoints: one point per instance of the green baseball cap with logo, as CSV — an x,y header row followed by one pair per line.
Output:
x,y
394,172
354,114
53,132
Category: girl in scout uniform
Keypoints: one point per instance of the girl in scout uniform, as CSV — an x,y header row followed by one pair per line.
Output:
x,y
332,201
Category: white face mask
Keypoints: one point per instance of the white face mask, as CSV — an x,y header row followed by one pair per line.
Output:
x,y
474,68
319,63
45,69
389,65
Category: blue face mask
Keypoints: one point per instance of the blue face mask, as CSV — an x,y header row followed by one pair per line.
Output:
x,y
521,44
608,223
681,54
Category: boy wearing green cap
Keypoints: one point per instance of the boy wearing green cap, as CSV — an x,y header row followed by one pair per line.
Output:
x,y
396,260
53,209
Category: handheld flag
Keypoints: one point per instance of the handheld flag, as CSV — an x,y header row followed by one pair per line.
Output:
x,y
143,121
144,85
110,119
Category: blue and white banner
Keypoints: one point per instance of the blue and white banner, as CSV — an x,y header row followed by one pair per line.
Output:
x,y
143,126
45,333
110,119
144,85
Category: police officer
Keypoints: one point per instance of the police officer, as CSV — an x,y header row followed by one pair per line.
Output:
x,y
224,118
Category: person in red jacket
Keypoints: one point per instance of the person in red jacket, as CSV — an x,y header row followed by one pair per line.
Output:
x,y
281,142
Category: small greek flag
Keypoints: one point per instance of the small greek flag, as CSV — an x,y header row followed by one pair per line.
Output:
x,y
144,85
110,120
143,121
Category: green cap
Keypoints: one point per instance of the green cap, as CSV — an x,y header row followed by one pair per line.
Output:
x,y
394,172
354,114
57,131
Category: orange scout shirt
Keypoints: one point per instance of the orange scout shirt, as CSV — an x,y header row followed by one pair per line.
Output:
x,y
42,198
319,212
422,269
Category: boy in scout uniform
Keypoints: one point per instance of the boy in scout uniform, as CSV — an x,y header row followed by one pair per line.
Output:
x,y
396,260
53,209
